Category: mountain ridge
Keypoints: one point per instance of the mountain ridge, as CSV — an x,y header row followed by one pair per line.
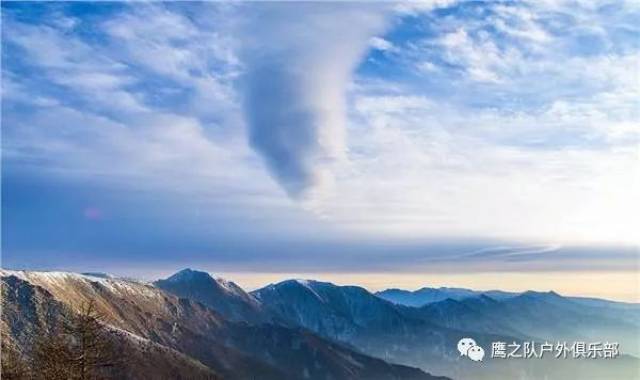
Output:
x,y
425,336
233,350
223,296
284,329
426,295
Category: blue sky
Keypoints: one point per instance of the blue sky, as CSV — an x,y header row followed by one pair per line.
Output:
x,y
320,136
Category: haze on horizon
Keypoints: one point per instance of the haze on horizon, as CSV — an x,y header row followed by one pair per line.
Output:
x,y
478,144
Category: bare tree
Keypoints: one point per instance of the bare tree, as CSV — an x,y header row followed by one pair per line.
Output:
x,y
14,365
92,350
52,355
78,347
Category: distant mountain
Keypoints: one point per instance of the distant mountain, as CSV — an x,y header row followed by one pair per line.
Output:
x,y
337,312
426,296
599,302
426,336
551,316
354,316
225,297
478,314
539,315
186,334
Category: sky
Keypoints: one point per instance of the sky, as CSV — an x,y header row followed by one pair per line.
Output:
x,y
424,143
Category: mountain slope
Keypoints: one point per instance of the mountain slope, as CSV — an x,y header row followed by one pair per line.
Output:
x,y
543,316
427,336
352,315
233,350
225,297
337,312
28,310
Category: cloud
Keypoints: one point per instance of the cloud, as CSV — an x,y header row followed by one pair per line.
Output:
x,y
299,58
490,138
108,109
380,44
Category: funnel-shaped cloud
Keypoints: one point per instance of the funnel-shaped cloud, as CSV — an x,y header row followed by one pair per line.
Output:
x,y
299,58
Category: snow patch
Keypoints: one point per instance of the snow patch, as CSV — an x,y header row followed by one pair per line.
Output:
x,y
59,279
309,286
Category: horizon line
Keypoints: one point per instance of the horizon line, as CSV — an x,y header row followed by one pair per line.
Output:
x,y
242,279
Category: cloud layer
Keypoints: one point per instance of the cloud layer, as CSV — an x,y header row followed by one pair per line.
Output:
x,y
182,123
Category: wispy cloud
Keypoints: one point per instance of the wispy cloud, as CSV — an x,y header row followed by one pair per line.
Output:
x,y
495,120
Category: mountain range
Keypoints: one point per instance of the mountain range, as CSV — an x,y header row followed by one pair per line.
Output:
x,y
207,344
192,325
427,295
